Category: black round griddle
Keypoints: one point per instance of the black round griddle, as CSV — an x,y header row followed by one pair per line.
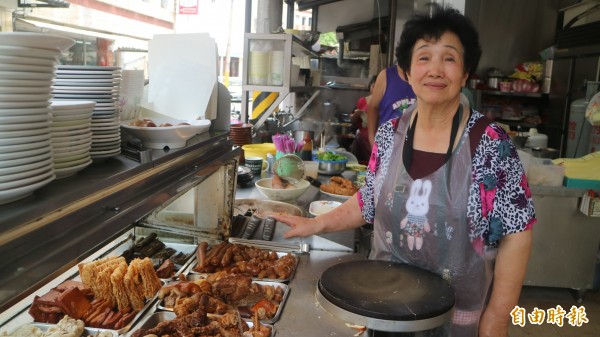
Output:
x,y
395,296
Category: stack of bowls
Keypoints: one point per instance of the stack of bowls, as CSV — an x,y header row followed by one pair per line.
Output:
x,y
71,136
101,85
241,134
27,68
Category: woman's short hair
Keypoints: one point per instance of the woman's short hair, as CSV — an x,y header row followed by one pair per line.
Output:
x,y
372,81
432,27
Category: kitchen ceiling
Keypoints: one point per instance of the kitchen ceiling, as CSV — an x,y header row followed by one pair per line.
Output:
x,y
306,4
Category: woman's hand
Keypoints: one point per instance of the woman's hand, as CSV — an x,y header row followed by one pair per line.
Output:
x,y
300,226
343,217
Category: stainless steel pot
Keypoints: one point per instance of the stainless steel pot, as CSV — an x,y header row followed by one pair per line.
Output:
x,y
332,167
493,82
300,135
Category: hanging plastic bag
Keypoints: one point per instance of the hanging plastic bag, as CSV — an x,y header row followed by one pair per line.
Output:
x,y
592,112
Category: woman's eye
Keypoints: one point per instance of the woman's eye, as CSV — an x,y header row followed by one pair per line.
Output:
x,y
423,58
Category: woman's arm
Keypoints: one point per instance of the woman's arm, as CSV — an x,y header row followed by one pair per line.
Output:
x,y
373,105
346,216
509,272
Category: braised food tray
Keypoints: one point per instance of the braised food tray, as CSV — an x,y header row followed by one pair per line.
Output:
x,y
285,290
163,316
277,268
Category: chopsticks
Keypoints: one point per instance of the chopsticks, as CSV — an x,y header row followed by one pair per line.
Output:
x,y
286,144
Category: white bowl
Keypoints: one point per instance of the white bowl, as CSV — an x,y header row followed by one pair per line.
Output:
x,y
322,206
264,187
173,137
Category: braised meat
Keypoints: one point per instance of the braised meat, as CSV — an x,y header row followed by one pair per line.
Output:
x,y
232,288
196,324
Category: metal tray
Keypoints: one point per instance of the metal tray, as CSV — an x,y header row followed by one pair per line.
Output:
x,y
190,270
87,331
149,303
153,320
270,326
186,249
275,318
157,317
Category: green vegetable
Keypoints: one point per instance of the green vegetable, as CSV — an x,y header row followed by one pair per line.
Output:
x,y
331,156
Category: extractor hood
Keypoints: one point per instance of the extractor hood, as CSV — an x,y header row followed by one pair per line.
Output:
x,y
308,4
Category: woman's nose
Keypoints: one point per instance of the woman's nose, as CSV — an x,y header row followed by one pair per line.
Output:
x,y
436,68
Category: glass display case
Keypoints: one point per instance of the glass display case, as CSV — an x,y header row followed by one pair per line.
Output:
x,y
107,206
277,63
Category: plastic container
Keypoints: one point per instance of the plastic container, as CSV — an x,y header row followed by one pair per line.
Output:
x,y
536,139
543,172
259,150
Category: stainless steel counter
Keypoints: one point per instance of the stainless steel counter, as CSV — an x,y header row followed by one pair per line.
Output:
x,y
341,241
565,241
302,315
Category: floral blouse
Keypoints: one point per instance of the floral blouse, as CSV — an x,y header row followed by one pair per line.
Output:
x,y
500,201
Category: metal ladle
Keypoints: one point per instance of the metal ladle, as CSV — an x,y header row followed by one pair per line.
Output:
x,y
289,167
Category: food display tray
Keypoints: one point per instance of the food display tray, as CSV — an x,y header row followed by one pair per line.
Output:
x,y
162,316
270,326
151,303
275,318
87,331
190,270
186,249
152,320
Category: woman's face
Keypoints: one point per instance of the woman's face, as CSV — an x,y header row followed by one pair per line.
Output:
x,y
437,71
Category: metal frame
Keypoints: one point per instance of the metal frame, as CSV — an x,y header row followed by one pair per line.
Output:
x,y
64,224
44,3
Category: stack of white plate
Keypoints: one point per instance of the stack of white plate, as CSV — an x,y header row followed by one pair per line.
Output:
x,y
100,85
27,68
71,135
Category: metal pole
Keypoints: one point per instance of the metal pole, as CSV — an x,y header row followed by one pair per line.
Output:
x,y
315,18
391,59
290,14
248,17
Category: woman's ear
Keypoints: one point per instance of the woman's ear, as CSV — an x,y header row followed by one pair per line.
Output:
x,y
464,80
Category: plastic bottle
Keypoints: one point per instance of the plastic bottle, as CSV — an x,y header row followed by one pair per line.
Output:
x,y
536,139
307,149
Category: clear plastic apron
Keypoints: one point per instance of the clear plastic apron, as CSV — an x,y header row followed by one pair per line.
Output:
x,y
424,222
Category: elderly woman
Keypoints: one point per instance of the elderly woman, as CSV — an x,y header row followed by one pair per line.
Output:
x,y
445,189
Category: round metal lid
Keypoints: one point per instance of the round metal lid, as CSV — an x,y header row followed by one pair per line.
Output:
x,y
388,291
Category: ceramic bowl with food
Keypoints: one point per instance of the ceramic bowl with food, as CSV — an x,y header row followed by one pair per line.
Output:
x,y
158,133
290,193
322,206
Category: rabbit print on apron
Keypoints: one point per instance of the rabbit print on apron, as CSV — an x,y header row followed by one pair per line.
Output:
x,y
415,224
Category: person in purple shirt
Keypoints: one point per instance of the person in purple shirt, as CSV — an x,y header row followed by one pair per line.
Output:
x,y
391,96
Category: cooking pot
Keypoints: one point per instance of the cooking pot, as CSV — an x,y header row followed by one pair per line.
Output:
x,y
494,78
300,135
493,82
341,128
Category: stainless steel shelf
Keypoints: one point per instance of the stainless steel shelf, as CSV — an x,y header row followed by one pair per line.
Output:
x,y
512,94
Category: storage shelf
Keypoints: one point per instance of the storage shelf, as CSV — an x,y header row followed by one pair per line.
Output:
x,y
513,94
